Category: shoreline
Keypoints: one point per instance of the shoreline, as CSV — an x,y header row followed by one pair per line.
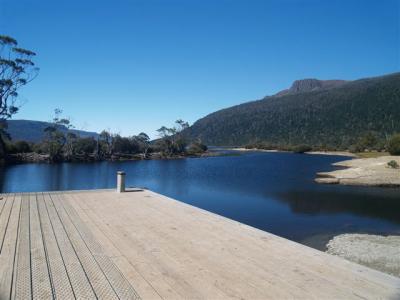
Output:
x,y
363,172
29,158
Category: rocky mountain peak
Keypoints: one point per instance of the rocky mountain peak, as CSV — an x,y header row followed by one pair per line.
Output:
x,y
310,84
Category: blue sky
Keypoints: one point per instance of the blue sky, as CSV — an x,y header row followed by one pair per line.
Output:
x,y
133,66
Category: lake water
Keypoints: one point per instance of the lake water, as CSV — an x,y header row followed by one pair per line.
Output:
x,y
271,191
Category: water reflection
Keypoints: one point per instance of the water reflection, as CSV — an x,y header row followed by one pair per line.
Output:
x,y
362,202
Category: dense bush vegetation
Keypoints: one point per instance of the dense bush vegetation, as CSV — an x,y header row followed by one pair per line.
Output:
x,y
394,145
359,114
18,147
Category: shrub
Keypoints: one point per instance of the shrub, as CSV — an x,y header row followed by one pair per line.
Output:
x,y
196,148
301,148
394,145
393,164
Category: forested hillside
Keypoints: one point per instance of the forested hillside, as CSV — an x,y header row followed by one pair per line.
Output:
x,y
335,117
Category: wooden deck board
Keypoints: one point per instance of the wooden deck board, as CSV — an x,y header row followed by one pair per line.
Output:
x,y
101,244
101,286
61,284
121,287
7,255
5,212
41,286
22,267
80,284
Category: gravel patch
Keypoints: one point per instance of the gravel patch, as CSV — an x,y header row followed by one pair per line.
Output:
x,y
375,251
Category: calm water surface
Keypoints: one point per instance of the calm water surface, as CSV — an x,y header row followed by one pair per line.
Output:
x,y
271,191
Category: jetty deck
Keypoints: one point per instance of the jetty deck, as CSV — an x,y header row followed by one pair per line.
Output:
x,y
106,245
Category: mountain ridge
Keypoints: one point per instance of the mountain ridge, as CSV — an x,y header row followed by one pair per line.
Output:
x,y
33,131
334,117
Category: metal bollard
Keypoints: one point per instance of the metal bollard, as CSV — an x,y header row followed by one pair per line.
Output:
x,y
120,181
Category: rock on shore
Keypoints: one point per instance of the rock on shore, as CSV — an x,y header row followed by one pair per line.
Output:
x,y
363,171
377,252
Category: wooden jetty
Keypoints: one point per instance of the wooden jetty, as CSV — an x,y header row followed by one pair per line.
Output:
x,y
106,245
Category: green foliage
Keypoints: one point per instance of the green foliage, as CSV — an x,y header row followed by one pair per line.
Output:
x,y
393,164
85,146
394,145
331,119
143,142
125,145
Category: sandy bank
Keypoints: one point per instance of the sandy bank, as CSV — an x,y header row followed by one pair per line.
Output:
x,y
339,153
377,252
363,171
258,150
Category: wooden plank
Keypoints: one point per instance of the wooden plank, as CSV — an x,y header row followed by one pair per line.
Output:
x,y
3,200
99,282
61,285
5,213
22,269
79,281
41,286
7,256
120,285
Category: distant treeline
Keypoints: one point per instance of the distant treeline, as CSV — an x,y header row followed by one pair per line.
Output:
x,y
61,145
368,142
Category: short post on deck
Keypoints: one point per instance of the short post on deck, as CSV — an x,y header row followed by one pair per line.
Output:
x,y
120,181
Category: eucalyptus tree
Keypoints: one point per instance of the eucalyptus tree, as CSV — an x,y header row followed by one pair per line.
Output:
x,y
16,70
56,139
107,141
144,141
172,140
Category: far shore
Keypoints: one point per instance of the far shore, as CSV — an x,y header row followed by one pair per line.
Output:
x,y
339,153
